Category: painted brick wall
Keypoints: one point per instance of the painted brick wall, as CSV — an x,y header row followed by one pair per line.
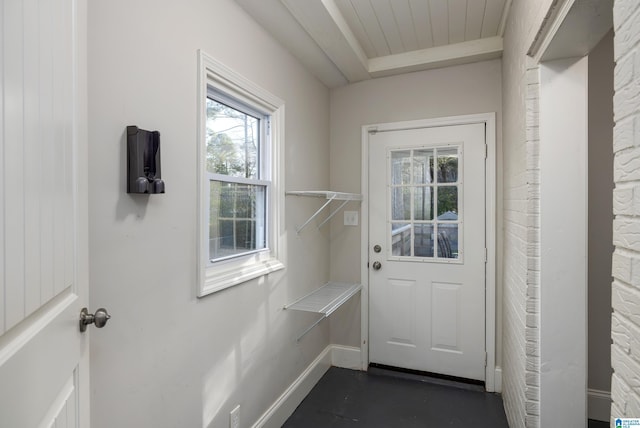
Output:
x,y
625,323
532,322
521,273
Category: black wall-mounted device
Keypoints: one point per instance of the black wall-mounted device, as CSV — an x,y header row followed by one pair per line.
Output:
x,y
143,161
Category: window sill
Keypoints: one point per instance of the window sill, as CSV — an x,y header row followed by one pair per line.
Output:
x,y
217,278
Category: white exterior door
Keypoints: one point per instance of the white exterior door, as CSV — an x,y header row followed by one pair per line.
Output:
x,y
427,249
43,215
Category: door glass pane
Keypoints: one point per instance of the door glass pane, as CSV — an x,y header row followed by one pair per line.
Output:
x,y
447,165
423,241
424,192
423,166
448,241
423,203
447,202
401,167
401,203
401,239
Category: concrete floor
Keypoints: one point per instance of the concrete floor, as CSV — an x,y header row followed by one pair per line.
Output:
x,y
380,398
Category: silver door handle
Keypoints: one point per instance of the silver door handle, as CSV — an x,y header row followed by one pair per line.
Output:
x,y
377,265
100,318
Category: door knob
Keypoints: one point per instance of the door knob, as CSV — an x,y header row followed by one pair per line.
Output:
x,y
377,265
100,318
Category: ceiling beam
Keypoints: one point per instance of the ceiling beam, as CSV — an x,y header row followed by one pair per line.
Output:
x,y
440,56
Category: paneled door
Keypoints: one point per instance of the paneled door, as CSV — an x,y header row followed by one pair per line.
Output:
x,y
43,214
427,249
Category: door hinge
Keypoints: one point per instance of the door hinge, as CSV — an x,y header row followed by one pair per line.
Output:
x,y
485,359
486,151
486,255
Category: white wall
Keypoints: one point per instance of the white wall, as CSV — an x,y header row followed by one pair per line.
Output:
x,y
625,323
464,89
166,358
600,218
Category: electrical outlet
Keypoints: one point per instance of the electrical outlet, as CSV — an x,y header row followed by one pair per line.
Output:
x,y
234,417
351,218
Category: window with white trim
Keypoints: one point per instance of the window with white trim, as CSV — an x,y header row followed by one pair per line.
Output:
x,y
239,178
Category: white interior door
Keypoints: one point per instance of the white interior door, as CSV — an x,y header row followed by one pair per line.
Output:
x,y
43,223
427,249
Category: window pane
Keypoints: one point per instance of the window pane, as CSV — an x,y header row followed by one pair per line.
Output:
x,y
401,239
233,140
447,165
401,167
401,203
448,241
423,241
423,203
224,195
237,219
245,201
423,166
447,202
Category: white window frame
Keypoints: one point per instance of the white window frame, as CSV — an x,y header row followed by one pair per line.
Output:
x,y
222,274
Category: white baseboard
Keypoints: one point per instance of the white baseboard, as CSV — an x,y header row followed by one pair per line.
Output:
x,y
497,380
347,357
283,407
599,405
333,355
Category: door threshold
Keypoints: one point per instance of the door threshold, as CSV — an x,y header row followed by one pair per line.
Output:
x,y
427,377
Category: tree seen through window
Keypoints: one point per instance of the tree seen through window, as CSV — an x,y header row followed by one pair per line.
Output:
x,y
237,197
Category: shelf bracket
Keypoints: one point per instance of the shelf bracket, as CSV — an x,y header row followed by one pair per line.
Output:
x,y
333,213
299,229
304,333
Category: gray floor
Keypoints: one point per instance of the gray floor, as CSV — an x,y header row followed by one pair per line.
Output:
x,y
349,398
383,398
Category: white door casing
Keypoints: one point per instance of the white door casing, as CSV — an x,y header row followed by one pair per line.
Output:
x,y
44,364
445,290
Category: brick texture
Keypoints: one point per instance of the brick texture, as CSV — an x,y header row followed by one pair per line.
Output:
x,y
521,266
625,324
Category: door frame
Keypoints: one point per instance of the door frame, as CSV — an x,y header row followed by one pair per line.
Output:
x,y
493,373
570,30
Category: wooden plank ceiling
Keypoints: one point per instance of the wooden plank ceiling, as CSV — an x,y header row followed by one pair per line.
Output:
x,y
365,39
387,27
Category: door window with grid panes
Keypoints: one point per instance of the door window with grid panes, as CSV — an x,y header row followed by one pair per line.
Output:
x,y
425,210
